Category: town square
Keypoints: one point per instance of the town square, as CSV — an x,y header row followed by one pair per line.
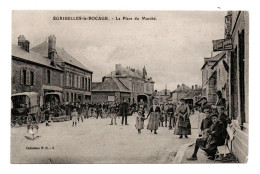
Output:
x,y
169,88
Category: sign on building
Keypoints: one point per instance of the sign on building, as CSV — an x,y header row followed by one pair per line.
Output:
x,y
222,45
111,98
228,26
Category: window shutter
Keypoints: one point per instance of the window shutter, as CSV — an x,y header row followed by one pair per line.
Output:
x,y
27,77
34,78
21,76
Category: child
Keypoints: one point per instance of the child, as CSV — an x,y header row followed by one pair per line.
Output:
x,y
113,115
74,115
140,121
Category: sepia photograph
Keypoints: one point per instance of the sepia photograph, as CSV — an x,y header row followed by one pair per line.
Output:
x,y
129,87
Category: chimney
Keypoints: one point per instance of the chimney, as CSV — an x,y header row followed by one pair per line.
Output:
x,y
25,44
178,86
52,49
118,69
192,87
196,87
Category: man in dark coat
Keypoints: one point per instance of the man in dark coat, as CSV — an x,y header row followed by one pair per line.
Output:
x,y
206,122
209,144
204,104
170,112
124,111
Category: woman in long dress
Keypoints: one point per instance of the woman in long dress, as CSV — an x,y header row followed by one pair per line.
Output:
x,y
183,126
154,116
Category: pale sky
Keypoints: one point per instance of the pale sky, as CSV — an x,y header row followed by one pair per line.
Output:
x,y
171,48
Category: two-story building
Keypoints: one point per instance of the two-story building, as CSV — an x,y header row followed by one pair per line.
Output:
x,y
238,61
33,72
136,81
209,79
179,93
76,78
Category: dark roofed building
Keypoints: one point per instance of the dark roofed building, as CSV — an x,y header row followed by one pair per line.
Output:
x,y
33,72
209,77
139,84
77,77
110,90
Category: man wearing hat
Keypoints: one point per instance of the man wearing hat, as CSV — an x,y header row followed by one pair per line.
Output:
x,y
204,104
215,138
220,101
206,122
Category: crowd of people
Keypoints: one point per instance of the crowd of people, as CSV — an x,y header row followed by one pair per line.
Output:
x,y
212,129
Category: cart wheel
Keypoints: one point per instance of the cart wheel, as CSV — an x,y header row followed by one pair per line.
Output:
x,y
38,116
13,122
20,121
29,119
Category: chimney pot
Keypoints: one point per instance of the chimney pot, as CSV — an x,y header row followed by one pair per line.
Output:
x,y
25,44
52,49
118,69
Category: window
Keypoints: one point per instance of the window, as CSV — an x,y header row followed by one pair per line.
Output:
x,y
79,82
86,84
67,79
82,82
23,76
133,87
61,80
71,80
71,98
67,97
75,81
32,78
48,77
27,77
89,84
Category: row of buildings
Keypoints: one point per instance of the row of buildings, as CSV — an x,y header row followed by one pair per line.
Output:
x,y
58,77
124,83
228,72
50,71
182,91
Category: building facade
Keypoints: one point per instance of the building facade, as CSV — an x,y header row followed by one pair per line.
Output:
x,y
110,90
137,82
179,93
228,72
76,78
238,60
209,77
163,96
32,72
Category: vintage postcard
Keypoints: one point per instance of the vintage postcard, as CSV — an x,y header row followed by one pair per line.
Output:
x,y
129,87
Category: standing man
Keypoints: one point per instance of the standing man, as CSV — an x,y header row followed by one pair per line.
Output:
x,y
170,112
124,111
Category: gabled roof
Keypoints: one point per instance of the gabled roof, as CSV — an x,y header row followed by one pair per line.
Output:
x,y
111,85
65,56
192,93
126,72
32,56
212,59
183,88
220,58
